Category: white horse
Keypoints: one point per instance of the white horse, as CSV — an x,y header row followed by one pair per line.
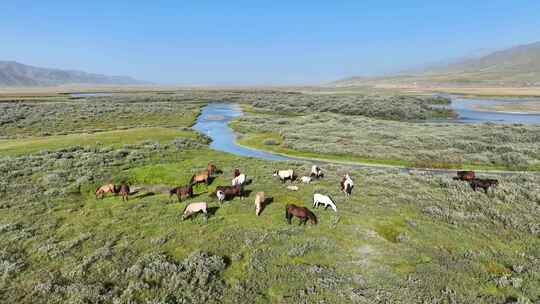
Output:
x,y
285,175
306,179
347,184
323,199
239,180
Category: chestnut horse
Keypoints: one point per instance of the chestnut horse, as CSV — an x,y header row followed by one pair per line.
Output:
x,y
201,177
124,191
302,213
182,191
211,168
108,188
465,176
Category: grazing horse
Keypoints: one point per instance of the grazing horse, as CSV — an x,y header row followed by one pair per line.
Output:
x,y
124,191
465,176
194,208
347,184
323,199
259,202
211,168
231,191
201,177
302,213
182,191
108,188
221,196
285,175
236,172
483,183
316,172
239,180
306,179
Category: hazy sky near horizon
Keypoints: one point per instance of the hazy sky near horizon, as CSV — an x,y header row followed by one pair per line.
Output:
x,y
257,42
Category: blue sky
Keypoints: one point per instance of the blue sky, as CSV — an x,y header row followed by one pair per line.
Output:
x,y
257,42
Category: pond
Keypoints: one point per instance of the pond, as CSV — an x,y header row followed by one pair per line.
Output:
x,y
96,94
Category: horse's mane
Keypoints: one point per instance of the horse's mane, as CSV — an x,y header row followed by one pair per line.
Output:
x,y
311,216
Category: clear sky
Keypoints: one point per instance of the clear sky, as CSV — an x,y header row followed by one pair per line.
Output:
x,y
257,42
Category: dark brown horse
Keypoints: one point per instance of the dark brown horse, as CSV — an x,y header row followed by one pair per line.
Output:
x,y
124,191
465,175
232,191
201,177
302,213
186,191
484,183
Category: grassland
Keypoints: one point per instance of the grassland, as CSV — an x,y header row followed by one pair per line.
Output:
x,y
399,239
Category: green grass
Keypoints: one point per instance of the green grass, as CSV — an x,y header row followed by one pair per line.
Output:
x,y
116,138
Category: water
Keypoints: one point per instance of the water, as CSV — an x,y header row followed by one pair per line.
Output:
x,y
103,94
464,107
213,122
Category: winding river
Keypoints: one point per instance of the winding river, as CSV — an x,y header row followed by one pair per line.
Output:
x,y
215,117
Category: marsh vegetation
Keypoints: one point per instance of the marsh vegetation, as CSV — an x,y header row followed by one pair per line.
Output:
x,y
399,238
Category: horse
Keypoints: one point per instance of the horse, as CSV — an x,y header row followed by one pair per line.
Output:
x,y
259,202
316,172
483,183
236,172
239,180
302,213
124,191
347,184
231,191
182,191
201,177
211,168
323,199
306,179
285,175
194,208
108,188
221,196
465,175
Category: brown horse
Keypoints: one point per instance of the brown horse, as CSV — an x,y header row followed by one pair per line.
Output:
x,y
211,168
302,213
465,175
232,191
182,191
201,177
483,183
124,191
108,188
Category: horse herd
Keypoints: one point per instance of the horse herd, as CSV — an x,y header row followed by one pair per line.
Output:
x,y
236,189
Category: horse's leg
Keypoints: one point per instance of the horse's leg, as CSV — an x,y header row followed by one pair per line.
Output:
x,y
486,190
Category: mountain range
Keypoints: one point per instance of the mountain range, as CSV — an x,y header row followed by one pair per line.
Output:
x,y
17,74
516,66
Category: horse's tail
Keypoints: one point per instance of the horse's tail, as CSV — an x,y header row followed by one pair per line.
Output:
x,y
192,179
97,189
312,217
287,212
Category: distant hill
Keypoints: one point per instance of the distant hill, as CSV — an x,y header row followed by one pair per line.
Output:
x,y
17,74
516,66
